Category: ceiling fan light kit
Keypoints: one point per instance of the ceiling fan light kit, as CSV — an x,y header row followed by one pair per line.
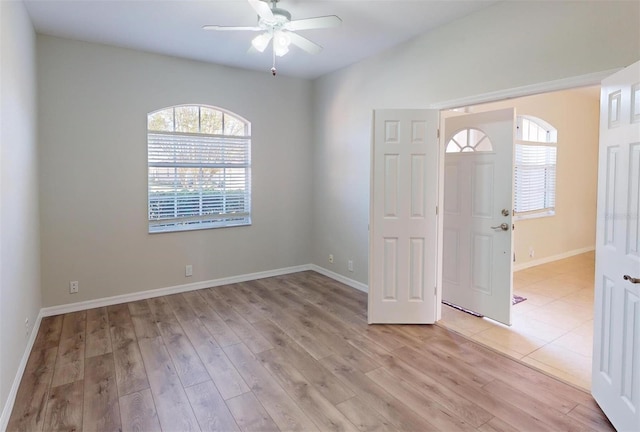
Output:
x,y
278,29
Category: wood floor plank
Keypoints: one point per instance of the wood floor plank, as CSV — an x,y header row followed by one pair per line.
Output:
x,y
161,310
322,412
172,405
70,362
326,383
594,419
64,408
249,336
74,323
305,339
211,411
438,366
131,375
30,405
181,308
363,416
546,413
250,415
419,402
497,425
98,336
101,407
398,414
144,322
49,333
211,320
185,359
487,401
120,325
453,402
138,412
225,376
539,386
282,409
232,296
334,342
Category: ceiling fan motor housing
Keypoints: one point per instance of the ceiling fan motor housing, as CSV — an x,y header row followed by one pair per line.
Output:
x,y
281,17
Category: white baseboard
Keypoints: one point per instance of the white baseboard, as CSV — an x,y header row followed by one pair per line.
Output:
x,y
552,258
338,277
13,392
142,295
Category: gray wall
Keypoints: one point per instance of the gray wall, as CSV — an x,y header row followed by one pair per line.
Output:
x,y
508,45
19,227
93,105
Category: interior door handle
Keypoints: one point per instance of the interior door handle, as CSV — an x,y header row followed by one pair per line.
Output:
x,y
631,279
502,226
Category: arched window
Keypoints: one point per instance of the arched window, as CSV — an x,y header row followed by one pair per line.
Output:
x,y
199,168
535,168
469,140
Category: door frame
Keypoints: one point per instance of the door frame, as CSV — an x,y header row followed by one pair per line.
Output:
x,y
545,87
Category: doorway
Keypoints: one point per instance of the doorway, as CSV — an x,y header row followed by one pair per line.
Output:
x,y
554,260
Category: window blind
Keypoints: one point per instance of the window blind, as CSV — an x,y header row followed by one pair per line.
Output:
x,y
535,178
198,180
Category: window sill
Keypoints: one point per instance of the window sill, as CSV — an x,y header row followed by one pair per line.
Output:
x,y
535,215
195,227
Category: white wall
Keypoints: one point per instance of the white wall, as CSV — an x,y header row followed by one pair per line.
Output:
x,y
508,45
576,115
19,227
93,105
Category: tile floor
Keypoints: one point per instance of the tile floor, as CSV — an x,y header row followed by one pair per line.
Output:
x,y
553,329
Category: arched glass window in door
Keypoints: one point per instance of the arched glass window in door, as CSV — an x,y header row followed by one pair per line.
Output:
x,y
469,140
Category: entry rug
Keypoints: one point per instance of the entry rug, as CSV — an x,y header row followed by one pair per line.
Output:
x,y
516,299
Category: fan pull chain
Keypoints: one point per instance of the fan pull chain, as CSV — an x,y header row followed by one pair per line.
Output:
x,y
273,68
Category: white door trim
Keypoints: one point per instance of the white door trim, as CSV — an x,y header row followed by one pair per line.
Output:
x,y
545,87
590,79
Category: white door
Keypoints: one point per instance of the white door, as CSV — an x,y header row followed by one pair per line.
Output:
x,y
616,345
403,220
478,203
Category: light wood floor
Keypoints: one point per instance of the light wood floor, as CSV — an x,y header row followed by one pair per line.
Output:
x,y
286,353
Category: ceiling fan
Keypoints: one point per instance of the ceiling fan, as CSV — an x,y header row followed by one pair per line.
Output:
x,y
276,25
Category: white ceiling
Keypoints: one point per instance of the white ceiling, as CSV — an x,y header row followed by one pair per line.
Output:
x,y
173,27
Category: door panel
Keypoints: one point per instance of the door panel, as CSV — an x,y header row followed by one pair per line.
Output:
x,y
616,347
403,228
478,186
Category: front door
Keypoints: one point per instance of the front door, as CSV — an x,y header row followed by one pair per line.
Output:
x,y
478,203
616,344
403,221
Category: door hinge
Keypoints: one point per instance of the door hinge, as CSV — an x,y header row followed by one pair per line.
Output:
x,y
438,133
435,291
436,210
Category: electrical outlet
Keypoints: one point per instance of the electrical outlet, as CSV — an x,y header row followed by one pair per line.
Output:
x,y
350,265
331,258
188,270
73,287
532,252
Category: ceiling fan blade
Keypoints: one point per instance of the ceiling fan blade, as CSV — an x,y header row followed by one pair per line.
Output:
x,y
314,23
304,43
229,28
262,9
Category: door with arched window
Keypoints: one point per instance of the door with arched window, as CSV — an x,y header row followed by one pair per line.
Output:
x,y
478,203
